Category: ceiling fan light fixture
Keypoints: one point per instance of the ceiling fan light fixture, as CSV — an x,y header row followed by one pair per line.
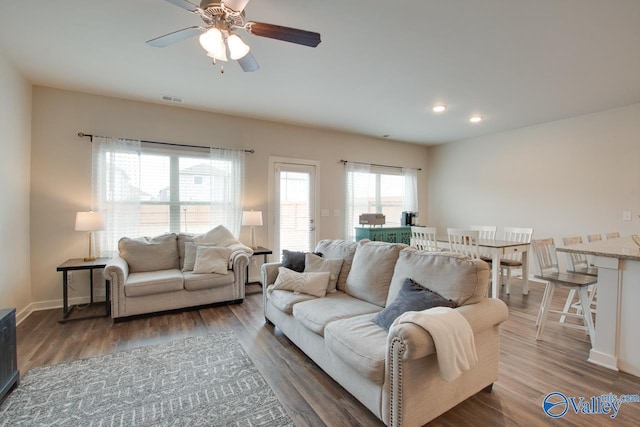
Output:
x,y
237,47
212,42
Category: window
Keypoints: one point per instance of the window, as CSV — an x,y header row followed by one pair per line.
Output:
x,y
378,189
147,190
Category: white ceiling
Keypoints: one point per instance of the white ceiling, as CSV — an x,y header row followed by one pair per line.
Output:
x,y
380,68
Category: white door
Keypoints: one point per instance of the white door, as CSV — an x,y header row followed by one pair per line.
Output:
x,y
294,195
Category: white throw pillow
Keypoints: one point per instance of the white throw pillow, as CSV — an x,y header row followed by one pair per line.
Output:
x,y
314,264
211,259
307,283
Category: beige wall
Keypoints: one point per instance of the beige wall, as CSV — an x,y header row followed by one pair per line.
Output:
x,y
15,150
61,163
569,177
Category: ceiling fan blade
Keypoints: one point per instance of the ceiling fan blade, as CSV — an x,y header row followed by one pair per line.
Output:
x,y
248,63
236,5
184,4
292,35
175,37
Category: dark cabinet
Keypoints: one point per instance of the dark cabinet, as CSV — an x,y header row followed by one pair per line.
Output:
x,y
9,374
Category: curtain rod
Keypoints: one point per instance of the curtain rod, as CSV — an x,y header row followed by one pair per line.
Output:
x,y
82,135
375,164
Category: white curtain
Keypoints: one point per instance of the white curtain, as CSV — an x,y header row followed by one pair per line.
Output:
x,y
410,201
115,190
357,183
227,189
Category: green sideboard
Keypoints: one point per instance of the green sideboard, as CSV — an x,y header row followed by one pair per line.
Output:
x,y
384,234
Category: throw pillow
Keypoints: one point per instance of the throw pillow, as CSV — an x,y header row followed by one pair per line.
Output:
x,y
315,263
412,297
211,259
307,283
189,256
294,260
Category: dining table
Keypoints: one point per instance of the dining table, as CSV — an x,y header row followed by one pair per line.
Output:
x,y
496,249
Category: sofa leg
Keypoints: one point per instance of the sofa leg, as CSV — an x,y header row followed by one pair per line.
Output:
x,y
488,388
268,322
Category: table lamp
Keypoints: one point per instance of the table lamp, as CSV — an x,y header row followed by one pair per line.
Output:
x,y
90,221
252,218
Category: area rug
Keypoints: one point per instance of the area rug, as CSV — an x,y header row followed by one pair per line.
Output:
x,y
198,381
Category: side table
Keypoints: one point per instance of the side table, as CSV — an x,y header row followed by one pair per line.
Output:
x,y
74,264
259,251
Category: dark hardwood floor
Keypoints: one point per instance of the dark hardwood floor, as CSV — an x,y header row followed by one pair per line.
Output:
x,y
529,369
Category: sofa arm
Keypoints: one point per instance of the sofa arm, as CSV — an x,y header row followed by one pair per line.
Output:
x,y
417,343
116,271
269,273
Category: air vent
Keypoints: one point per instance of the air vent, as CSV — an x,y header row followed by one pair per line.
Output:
x,y
169,98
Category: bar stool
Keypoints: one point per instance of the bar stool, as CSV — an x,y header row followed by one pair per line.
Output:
x,y
545,252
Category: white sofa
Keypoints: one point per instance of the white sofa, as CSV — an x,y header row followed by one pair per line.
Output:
x,y
394,373
151,274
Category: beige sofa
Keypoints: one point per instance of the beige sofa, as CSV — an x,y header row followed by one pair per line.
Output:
x,y
161,273
394,373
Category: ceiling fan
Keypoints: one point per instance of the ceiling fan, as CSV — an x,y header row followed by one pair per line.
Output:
x,y
222,18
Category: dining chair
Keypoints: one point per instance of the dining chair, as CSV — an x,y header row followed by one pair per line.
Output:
x,y
485,232
513,261
464,241
424,238
594,237
613,235
545,253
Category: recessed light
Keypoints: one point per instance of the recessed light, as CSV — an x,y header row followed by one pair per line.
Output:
x,y
439,108
476,119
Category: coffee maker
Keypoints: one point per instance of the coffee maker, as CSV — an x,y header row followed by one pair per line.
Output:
x,y
408,218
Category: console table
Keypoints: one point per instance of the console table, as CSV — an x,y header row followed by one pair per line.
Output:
x,y
80,264
9,374
385,234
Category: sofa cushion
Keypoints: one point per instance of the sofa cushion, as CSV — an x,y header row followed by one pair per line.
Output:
x,y
338,249
295,260
455,277
153,282
307,283
196,282
285,300
412,297
360,343
150,253
211,259
315,263
372,270
317,313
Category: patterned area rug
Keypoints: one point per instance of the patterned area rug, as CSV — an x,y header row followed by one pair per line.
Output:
x,y
199,381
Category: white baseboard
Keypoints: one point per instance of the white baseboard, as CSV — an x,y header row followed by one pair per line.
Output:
x,y
53,304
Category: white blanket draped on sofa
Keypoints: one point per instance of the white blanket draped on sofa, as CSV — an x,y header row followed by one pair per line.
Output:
x,y
221,236
452,336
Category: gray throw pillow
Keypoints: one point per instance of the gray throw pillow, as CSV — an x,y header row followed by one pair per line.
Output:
x,y
294,260
412,297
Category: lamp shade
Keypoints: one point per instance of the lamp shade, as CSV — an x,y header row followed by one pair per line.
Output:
x,y
252,218
212,42
89,221
237,47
